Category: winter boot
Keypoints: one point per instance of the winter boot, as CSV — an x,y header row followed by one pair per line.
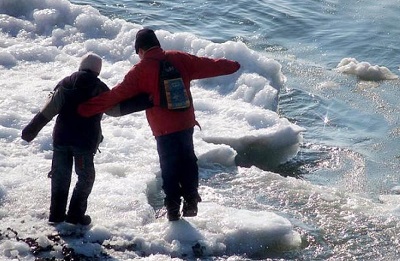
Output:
x,y
173,209
84,221
190,206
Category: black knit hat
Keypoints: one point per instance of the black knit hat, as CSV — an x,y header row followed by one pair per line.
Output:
x,y
145,39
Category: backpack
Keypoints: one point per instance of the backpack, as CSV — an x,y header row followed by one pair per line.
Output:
x,y
173,94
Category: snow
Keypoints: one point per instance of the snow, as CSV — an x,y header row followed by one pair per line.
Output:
x,y
365,70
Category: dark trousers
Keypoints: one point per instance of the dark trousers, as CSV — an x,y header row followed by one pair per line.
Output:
x,y
61,171
178,164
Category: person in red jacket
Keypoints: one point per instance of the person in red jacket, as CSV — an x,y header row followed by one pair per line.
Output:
x,y
172,128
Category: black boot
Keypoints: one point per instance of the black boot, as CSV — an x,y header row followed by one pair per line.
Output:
x,y
84,220
173,209
190,205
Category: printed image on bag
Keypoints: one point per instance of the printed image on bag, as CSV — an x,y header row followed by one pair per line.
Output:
x,y
176,94
173,94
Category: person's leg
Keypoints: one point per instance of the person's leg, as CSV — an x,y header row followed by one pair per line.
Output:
x,y
84,168
189,174
167,152
60,174
188,171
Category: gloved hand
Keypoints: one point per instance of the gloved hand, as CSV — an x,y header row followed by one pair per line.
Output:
x,y
29,133
32,129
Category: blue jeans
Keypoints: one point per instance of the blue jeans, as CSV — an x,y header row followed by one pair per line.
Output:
x,y
178,164
61,172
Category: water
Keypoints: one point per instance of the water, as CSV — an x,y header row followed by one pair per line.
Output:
x,y
322,32
341,190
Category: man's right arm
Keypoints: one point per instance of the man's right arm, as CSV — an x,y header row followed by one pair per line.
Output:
x,y
137,103
52,108
108,100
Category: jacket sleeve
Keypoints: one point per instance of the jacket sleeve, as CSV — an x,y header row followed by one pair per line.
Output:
x,y
108,100
137,103
52,108
54,104
204,67
33,128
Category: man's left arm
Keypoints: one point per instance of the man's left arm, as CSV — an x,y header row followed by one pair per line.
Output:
x,y
212,67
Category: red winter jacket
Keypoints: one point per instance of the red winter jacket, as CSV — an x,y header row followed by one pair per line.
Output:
x,y
144,77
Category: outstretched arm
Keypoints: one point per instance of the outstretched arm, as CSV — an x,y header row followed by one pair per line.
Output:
x,y
52,108
108,100
215,67
205,67
138,103
33,128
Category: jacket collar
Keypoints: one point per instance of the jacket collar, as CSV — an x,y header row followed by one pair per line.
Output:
x,y
154,53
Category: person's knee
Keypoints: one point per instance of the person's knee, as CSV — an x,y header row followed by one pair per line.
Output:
x,y
87,178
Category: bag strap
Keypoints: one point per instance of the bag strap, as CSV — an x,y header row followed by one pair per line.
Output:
x,y
163,98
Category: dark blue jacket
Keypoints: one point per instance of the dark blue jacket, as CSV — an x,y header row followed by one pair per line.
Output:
x,y
71,129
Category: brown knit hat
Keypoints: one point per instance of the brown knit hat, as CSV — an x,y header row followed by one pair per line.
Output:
x,y
145,39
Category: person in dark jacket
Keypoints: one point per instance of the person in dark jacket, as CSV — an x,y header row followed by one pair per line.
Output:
x,y
75,138
172,128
